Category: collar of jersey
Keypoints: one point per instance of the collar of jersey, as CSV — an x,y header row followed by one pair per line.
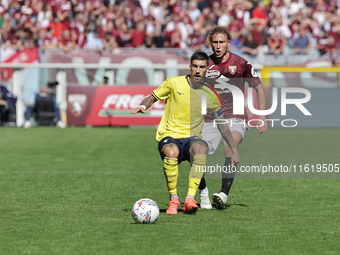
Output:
x,y
187,77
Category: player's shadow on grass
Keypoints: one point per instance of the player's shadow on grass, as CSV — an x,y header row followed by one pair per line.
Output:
x,y
182,204
199,205
229,205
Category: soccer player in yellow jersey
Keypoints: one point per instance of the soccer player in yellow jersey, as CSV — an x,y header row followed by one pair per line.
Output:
x,y
179,132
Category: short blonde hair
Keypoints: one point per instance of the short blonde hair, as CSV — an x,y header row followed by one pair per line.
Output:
x,y
220,30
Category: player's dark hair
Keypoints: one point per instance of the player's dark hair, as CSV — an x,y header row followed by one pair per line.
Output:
x,y
199,56
220,30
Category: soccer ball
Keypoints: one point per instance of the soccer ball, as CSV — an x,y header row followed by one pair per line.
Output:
x,y
145,211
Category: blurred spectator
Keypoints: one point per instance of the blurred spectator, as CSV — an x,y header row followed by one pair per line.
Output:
x,y
44,16
138,35
149,41
7,106
65,41
295,6
224,19
49,41
110,13
45,93
174,38
326,44
56,25
196,40
156,10
236,30
16,21
205,19
2,98
64,12
177,32
109,42
82,39
276,44
301,42
94,42
250,47
194,12
260,12
158,40
277,25
24,23
176,7
257,28
124,36
13,40
105,81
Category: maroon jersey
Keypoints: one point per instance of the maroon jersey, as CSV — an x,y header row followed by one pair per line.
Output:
x,y
236,71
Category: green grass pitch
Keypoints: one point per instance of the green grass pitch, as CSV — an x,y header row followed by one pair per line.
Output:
x,y
71,192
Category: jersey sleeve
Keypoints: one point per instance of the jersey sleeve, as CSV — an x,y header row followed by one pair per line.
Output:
x,y
163,91
251,76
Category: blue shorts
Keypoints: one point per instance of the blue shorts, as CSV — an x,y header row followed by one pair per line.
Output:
x,y
183,145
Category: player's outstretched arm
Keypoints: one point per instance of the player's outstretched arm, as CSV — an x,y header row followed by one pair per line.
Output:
x,y
225,132
262,125
146,104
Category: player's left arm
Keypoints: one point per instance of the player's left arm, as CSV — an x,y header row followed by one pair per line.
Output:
x,y
262,125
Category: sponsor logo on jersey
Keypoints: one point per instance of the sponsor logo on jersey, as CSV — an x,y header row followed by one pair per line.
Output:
x,y
179,93
223,91
232,69
213,74
77,103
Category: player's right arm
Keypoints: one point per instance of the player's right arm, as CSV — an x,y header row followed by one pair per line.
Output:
x,y
159,94
147,102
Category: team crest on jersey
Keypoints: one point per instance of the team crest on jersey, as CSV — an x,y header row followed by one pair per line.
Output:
x,y
77,103
212,74
232,69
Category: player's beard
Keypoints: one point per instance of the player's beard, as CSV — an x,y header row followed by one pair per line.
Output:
x,y
197,81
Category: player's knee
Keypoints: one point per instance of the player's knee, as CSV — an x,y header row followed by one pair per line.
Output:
x,y
200,148
171,152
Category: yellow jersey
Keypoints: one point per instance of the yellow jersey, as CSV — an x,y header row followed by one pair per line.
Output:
x,y
183,116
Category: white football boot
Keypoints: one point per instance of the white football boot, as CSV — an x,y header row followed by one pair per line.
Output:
x,y
204,199
220,199
27,124
60,124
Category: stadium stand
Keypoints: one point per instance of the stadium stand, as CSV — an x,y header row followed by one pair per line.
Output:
x,y
104,25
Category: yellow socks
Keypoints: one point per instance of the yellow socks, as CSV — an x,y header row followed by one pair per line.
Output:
x,y
170,167
196,173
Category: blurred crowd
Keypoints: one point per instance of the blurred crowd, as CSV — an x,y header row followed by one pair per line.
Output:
x,y
110,24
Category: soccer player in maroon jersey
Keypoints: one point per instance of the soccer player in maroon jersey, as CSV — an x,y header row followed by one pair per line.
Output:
x,y
228,74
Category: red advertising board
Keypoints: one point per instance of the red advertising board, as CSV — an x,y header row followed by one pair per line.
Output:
x,y
110,106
